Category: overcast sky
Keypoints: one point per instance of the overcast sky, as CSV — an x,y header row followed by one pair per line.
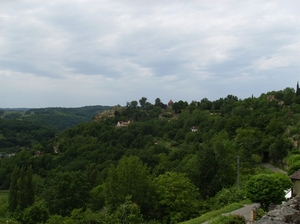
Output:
x,y
68,53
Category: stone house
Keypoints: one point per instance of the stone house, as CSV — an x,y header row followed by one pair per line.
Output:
x,y
295,178
123,123
194,128
170,103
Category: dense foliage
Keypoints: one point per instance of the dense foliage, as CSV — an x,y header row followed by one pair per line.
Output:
x,y
229,219
57,118
33,128
18,134
265,189
157,162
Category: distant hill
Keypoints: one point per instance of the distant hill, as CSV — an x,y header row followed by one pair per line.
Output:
x,y
58,118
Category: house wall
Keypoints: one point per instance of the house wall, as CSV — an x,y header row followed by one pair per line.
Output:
x,y
296,188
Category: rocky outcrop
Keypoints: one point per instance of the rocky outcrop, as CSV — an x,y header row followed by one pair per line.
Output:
x,y
288,212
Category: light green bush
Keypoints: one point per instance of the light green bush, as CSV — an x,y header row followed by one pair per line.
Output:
x,y
229,219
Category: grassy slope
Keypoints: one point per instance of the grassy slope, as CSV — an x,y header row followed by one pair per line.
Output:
x,y
214,214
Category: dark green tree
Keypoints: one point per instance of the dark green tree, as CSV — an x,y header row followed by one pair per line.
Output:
x,y
143,101
211,169
133,104
129,212
13,190
21,191
29,187
176,107
91,174
97,198
37,213
205,104
157,102
288,96
65,191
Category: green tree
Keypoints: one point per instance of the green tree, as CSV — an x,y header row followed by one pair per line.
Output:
x,y
247,140
233,124
65,191
129,178
129,213
211,169
176,107
21,191
37,213
13,190
284,180
143,101
91,174
97,198
134,103
157,102
205,104
265,189
29,187
288,95
183,104
177,197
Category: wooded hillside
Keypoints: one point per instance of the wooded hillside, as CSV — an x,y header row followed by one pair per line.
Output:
x,y
158,162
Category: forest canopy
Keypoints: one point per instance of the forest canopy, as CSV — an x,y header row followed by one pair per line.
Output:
x,y
167,162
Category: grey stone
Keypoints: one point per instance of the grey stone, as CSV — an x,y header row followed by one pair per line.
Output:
x,y
288,212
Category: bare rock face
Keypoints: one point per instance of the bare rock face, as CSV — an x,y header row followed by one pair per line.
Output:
x,y
285,213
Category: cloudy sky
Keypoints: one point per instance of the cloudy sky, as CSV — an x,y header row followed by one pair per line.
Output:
x,y
69,53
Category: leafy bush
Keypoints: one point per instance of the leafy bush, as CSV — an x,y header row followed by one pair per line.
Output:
x,y
293,159
294,167
37,213
229,219
259,214
8,221
129,212
284,180
265,189
225,197
97,198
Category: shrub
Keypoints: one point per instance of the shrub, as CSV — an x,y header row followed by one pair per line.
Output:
x,y
225,197
37,213
229,219
293,159
265,189
294,167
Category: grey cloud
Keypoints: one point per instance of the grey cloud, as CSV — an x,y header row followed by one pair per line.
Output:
x,y
29,68
163,68
196,44
88,68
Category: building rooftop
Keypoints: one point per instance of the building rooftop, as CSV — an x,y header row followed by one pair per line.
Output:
x,y
296,175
